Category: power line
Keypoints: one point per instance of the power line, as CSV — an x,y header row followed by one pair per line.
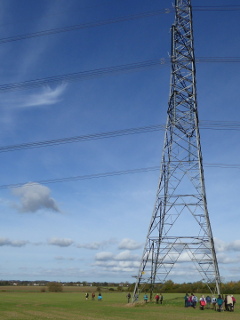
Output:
x,y
88,137
107,174
110,21
217,8
82,75
83,177
83,26
204,124
219,125
217,59
90,74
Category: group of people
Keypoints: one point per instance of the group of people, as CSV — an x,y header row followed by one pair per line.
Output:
x,y
218,304
226,303
158,298
93,296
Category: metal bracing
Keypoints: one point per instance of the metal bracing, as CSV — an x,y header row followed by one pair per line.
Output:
x,y
181,195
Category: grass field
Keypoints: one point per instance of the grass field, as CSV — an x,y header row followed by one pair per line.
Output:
x,y
30,303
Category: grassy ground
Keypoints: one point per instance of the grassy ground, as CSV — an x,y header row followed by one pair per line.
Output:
x,y
28,303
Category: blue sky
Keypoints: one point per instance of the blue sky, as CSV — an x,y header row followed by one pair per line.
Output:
x,y
94,229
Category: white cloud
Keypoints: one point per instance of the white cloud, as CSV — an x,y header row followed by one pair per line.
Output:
x,y
222,246
43,96
227,259
122,262
122,256
46,96
106,264
129,244
234,246
126,256
7,242
60,242
96,245
117,266
104,256
34,197
91,246
60,258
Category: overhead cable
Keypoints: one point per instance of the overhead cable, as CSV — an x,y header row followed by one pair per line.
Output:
x,y
90,74
204,124
216,8
105,175
94,136
110,21
82,75
83,26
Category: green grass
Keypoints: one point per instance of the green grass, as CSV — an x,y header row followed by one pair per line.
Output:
x,y
29,303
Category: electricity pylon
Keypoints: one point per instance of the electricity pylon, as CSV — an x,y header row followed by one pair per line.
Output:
x,y
180,230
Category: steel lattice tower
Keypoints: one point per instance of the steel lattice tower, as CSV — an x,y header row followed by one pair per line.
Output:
x,y
180,228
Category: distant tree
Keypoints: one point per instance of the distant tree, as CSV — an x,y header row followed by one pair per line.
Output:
x,y
54,287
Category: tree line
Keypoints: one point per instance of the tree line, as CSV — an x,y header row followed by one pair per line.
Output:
x,y
232,287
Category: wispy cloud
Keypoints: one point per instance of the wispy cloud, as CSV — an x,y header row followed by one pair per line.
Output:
x,y
46,96
60,242
40,97
34,197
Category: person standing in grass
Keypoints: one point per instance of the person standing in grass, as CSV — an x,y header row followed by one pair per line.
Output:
x,y
229,303
233,302
157,298
93,296
220,303
161,298
194,301
186,300
202,302
190,300
135,297
128,297
99,297
145,298
214,303
208,301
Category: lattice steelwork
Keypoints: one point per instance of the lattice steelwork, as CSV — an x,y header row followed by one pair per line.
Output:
x,y
180,230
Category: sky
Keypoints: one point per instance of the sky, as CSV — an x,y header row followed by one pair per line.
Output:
x,y
94,229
